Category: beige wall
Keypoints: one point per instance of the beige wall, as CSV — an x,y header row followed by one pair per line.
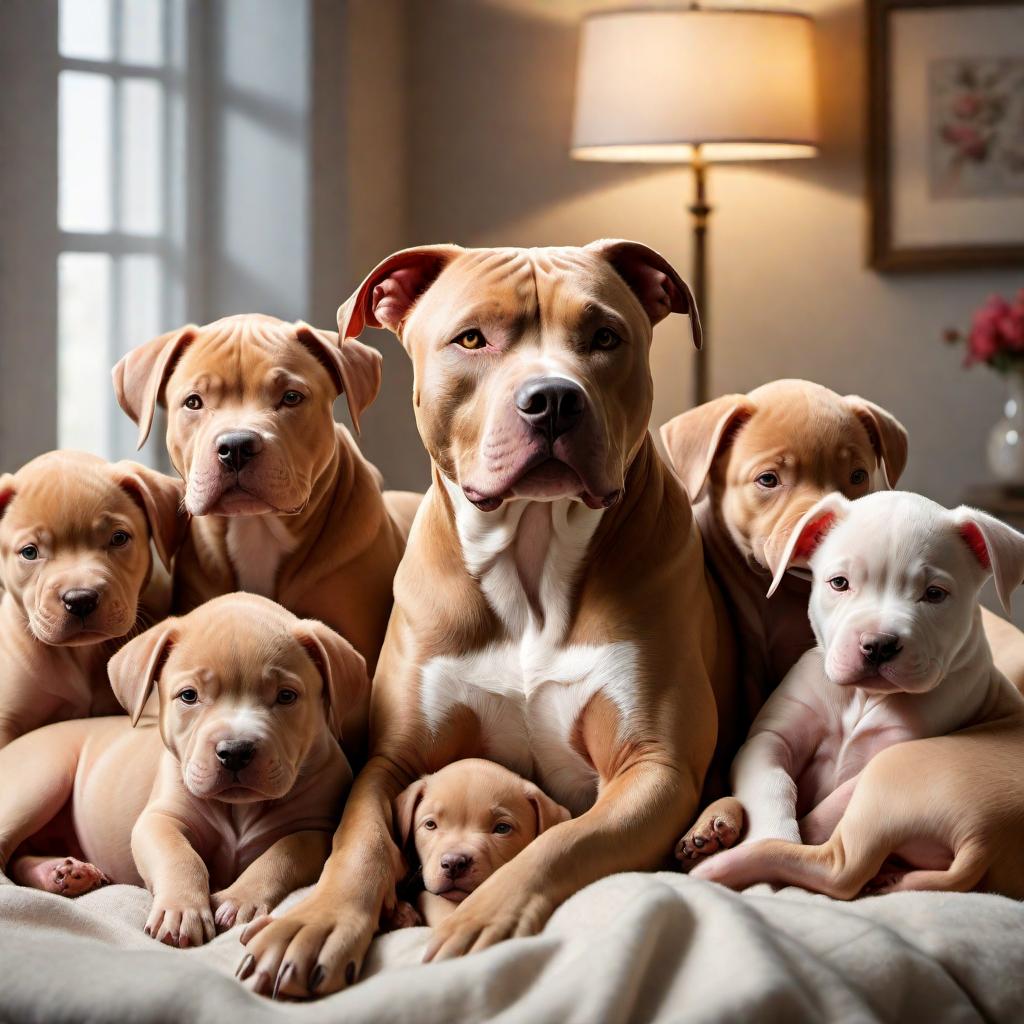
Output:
x,y
488,118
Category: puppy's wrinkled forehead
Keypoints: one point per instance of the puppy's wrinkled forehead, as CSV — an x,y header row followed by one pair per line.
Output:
x,y
240,356
536,293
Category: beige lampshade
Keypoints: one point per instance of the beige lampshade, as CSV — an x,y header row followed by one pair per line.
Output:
x,y
653,82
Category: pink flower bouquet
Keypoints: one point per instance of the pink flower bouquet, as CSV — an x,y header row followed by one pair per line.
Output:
x,y
996,336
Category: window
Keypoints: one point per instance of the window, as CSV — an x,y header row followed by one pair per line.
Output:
x,y
121,202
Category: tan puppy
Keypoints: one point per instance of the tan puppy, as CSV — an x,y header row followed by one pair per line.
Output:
x,y
754,464
465,821
284,504
237,791
535,622
75,559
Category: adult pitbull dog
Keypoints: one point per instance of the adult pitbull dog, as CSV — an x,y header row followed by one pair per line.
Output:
x,y
283,503
552,612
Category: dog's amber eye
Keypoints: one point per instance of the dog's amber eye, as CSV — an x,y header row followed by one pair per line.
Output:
x,y
605,340
292,398
768,480
858,477
935,595
471,340
119,538
29,552
839,583
502,828
188,696
287,697
430,824
193,401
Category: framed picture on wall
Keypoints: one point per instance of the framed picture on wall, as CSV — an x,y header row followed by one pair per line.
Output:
x,y
946,139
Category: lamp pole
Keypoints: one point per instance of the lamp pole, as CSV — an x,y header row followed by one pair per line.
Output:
x,y
699,211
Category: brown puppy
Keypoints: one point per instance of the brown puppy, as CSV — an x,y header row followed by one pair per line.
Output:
x,y
238,790
75,558
465,822
283,503
535,622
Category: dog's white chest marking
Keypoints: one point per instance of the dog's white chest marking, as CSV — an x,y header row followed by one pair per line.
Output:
x,y
529,689
257,545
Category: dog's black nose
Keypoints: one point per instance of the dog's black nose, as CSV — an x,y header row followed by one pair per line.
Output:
x,y
235,754
237,447
81,601
455,865
553,405
878,648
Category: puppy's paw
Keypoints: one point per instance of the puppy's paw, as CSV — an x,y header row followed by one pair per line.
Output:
x,y
67,876
717,828
235,907
181,921
401,915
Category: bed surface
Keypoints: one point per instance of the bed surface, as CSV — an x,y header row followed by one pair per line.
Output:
x,y
633,947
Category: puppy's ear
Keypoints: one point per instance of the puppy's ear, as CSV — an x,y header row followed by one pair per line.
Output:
x,y
160,497
652,279
696,438
390,290
139,376
405,809
6,491
998,548
354,366
888,436
808,534
136,667
547,811
341,668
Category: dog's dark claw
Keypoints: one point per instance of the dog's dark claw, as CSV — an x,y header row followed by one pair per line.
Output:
x,y
245,968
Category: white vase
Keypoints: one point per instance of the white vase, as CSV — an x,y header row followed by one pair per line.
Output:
x,y
1006,441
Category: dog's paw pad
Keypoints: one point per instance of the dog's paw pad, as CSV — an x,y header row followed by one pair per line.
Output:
x,y
402,915
71,877
715,830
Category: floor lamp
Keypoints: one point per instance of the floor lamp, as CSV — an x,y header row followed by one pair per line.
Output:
x,y
695,86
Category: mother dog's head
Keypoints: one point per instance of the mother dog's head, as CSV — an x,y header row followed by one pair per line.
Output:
x,y
532,373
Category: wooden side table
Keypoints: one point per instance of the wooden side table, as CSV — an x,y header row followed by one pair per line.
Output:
x,y
999,500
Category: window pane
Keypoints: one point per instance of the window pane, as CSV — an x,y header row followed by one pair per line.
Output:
x,y
141,156
85,151
83,377
85,29
142,31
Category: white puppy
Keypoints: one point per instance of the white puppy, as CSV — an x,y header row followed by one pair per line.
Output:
x,y
901,654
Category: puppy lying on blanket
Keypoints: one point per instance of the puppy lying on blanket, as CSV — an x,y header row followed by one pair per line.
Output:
x,y
238,791
465,821
74,562
901,655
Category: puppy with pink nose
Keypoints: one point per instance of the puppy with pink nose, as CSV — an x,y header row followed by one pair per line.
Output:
x,y
901,654
465,821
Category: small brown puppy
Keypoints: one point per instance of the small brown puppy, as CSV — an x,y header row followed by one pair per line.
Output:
x,y
75,559
465,822
238,790
284,504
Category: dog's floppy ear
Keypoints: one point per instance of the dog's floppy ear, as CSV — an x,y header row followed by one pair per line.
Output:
x,y
694,439
355,367
136,668
548,812
405,809
139,376
808,534
6,491
340,665
998,548
390,290
160,498
888,436
652,279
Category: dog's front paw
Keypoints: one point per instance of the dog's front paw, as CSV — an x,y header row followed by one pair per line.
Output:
x,y
67,876
717,828
181,921
233,907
